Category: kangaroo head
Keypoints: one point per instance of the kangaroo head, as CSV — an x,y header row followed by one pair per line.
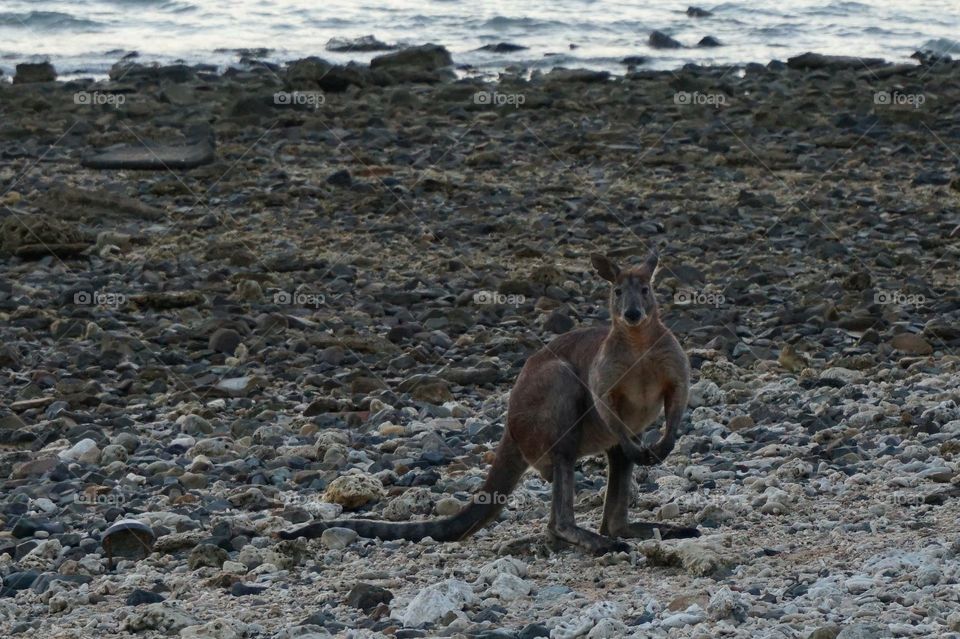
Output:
x,y
632,301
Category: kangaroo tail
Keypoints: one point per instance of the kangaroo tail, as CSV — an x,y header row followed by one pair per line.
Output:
x,y
506,470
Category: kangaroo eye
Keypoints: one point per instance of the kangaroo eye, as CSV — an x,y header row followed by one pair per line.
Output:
x,y
618,290
644,290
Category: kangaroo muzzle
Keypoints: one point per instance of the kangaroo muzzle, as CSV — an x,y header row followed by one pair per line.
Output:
x,y
633,315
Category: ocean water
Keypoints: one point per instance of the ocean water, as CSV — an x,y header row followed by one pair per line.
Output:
x,y
85,37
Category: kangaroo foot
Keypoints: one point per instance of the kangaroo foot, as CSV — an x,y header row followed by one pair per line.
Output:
x,y
587,540
644,530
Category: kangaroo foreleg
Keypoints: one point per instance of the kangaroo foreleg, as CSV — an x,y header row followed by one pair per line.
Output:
x,y
563,525
615,505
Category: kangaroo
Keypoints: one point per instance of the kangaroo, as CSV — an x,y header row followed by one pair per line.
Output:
x,y
588,391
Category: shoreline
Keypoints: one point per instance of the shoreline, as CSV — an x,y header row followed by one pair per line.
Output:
x,y
242,60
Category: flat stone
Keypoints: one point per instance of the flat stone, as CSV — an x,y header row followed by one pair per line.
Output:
x,y
152,158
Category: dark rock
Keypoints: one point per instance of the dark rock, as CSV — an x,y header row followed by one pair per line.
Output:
x,y
207,555
367,596
240,589
224,340
427,56
709,41
811,61
363,43
533,631
558,322
17,581
139,597
697,12
502,47
660,40
577,75
129,539
340,178
34,72
934,177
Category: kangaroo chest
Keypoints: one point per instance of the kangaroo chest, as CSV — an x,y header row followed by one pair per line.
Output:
x,y
632,390
637,402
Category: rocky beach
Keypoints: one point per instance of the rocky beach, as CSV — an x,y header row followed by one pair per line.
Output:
x,y
232,302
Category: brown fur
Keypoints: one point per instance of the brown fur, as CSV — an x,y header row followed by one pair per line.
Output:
x,y
589,391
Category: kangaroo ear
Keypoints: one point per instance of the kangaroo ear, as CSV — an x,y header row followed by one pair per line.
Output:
x,y
653,258
605,267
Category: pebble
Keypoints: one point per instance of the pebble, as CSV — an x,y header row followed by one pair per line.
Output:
x,y
434,602
338,538
353,491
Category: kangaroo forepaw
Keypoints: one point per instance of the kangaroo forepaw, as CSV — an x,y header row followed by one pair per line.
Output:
x,y
645,456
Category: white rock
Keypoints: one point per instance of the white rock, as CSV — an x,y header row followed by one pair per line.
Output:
x,y
845,375
668,511
697,473
216,629
928,576
84,451
338,538
457,409
322,509
158,616
42,556
706,393
586,622
434,602
234,567
858,584
509,587
504,565
608,629
689,617
45,505
725,604
184,441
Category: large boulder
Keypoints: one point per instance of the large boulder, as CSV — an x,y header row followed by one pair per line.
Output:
x,y
313,73
426,56
427,63
34,72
